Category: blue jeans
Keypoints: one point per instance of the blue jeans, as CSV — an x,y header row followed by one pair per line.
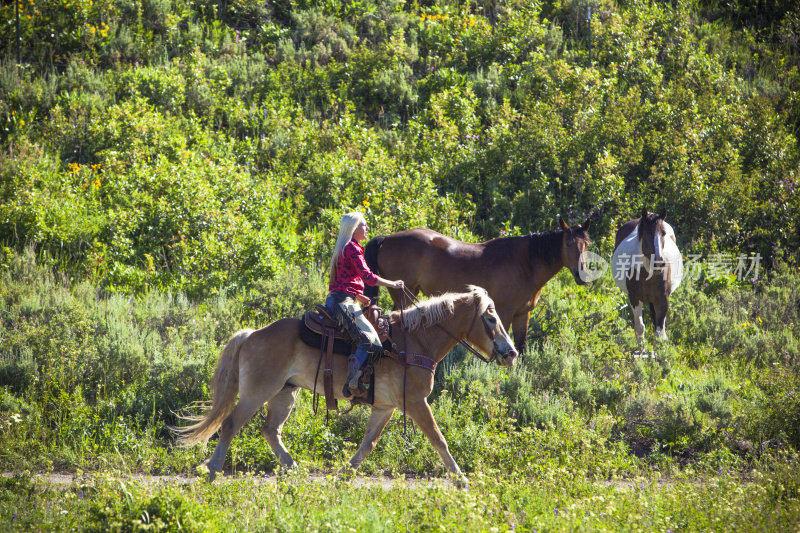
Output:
x,y
348,312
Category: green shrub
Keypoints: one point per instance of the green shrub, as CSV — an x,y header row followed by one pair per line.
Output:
x,y
163,88
773,418
140,511
17,371
326,38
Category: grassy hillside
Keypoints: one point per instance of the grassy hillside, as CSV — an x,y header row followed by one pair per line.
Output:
x,y
173,170
703,435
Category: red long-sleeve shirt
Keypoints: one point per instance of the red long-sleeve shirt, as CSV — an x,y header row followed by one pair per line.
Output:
x,y
352,271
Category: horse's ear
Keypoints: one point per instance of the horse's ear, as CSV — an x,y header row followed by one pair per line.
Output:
x,y
562,224
586,224
663,214
644,212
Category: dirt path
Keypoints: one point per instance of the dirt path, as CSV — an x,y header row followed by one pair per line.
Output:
x,y
65,479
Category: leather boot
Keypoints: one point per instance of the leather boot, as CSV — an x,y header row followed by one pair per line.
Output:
x,y
351,385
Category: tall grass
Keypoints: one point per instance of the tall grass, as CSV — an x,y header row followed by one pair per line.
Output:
x,y
88,378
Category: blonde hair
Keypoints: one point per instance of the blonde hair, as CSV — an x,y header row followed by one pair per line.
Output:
x,y
347,227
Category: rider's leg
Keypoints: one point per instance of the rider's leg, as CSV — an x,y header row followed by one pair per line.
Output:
x,y
355,369
368,341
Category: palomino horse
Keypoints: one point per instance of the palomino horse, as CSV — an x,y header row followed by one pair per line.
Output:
x,y
270,365
512,269
648,267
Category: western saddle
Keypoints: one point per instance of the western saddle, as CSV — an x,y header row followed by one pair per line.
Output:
x,y
335,335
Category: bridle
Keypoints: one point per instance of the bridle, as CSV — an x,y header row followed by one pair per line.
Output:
x,y
489,333
408,295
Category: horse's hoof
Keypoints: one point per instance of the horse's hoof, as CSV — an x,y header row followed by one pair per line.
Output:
x,y
459,480
346,473
204,471
287,469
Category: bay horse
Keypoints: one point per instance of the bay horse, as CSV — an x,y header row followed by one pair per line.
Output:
x,y
512,269
270,366
648,267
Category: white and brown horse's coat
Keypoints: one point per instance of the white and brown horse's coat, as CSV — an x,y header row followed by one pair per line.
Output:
x,y
648,267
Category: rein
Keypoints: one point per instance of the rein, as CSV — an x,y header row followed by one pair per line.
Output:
x,y
405,367
407,295
404,355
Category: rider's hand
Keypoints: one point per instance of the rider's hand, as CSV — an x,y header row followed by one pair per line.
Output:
x,y
398,284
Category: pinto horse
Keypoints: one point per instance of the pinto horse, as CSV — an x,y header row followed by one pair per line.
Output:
x,y
270,365
512,269
648,267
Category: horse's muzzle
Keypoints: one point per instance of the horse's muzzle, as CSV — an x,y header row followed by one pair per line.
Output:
x,y
507,357
578,279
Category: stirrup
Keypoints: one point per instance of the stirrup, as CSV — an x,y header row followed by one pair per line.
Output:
x,y
358,392
353,381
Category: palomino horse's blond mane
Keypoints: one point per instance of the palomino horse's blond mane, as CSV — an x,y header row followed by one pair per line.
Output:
x,y
436,309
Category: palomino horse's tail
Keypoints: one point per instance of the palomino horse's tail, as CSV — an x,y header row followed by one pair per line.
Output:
x,y
371,257
224,386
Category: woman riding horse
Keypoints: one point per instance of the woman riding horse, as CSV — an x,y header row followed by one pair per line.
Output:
x,y
348,274
270,365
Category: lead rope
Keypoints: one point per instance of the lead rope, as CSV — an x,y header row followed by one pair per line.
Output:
x,y
405,362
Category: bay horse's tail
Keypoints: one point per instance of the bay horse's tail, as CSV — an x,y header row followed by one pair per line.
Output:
x,y
224,387
371,257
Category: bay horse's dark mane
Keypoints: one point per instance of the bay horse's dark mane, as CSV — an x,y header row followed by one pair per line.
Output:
x,y
546,245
